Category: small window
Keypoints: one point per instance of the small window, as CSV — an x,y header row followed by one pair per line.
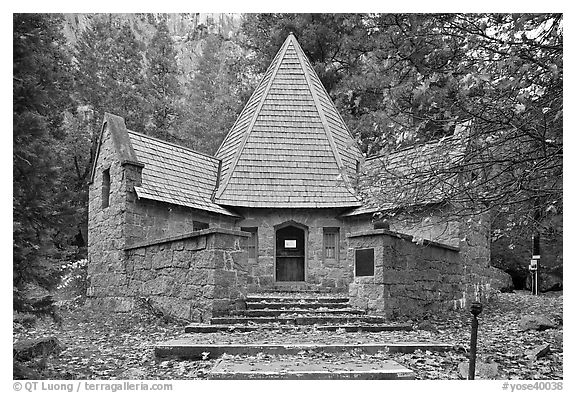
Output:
x,y
199,225
331,247
364,265
251,243
105,188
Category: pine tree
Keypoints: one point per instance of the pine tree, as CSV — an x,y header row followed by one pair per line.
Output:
x,y
110,71
215,95
41,96
163,90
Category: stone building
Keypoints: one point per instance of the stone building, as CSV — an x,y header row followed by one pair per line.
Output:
x,y
286,203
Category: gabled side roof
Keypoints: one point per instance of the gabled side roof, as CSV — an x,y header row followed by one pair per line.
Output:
x,y
117,129
416,175
170,173
175,174
289,148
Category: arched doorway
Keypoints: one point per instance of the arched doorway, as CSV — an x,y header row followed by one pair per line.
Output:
x,y
290,253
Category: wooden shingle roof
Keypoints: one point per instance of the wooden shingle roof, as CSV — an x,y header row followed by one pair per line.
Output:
x,y
289,148
418,175
175,174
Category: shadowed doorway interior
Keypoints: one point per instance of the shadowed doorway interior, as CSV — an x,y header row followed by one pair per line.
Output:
x,y
290,249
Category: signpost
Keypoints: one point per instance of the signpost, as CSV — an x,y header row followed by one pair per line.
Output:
x,y
534,262
534,273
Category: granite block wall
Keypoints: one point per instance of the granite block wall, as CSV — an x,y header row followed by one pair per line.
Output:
x,y
147,219
193,276
413,279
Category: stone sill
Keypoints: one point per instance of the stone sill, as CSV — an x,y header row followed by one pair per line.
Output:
x,y
376,232
189,235
132,162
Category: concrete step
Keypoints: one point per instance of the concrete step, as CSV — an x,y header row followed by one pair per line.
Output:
x,y
187,349
304,312
366,328
297,289
291,304
204,328
286,298
300,320
297,368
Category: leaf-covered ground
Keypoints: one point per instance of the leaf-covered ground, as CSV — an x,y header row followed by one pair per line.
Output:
x,y
103,345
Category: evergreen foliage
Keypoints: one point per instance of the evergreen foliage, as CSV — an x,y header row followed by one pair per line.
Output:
x,y
215,95
109,71
41,95
162,84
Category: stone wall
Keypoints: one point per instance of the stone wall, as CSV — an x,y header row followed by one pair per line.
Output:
x,y
193,276
147,219
332,275
413,279
480,277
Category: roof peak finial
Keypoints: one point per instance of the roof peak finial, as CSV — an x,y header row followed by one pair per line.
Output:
x,y
291,33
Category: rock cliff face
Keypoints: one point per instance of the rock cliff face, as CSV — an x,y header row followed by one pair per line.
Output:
x,y
180,25
188,30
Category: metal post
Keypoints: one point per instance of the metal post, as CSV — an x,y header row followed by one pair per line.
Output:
x,y
475,309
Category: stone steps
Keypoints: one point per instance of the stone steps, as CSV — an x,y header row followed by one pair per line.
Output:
x,y
205,328
187,349
297,308
241,339
296,288
297,311
273,310
298,368
336,304
300,320
255,299
357,327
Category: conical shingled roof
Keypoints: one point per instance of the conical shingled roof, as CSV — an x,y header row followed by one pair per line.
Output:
x,y
289,148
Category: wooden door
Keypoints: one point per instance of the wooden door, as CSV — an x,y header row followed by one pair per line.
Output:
x,y
290,251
